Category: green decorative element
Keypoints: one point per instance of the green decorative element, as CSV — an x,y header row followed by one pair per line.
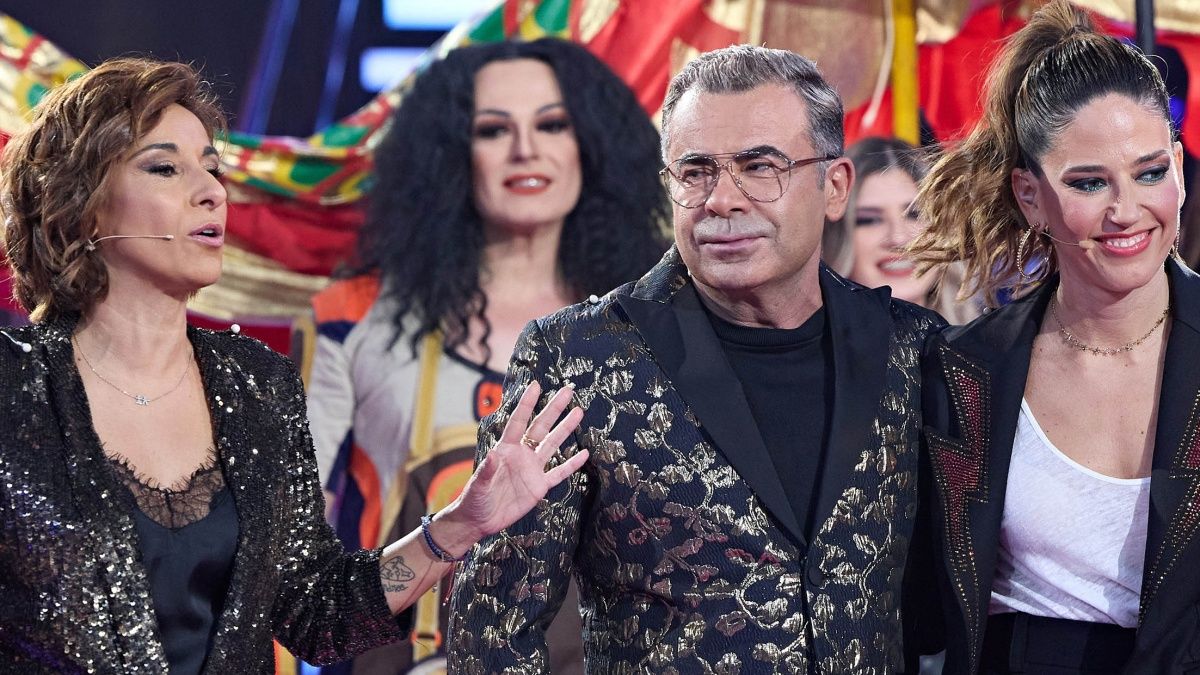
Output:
x,y
35,94
490,28
248,141
309,171
553,15
269,187
343,136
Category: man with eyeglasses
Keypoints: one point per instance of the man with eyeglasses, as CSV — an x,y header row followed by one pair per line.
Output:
x,y
752,420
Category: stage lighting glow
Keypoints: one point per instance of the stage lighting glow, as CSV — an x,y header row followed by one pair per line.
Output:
x,y
423,15
381,67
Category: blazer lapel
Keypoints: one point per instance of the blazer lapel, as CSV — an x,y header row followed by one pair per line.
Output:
x,y
1009,345
1175,473
679,335
225,404
860,325
985,366
99,498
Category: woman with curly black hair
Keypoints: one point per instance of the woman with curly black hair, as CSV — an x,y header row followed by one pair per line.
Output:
x,y
517,178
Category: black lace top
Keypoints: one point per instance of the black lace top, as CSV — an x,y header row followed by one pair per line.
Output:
x,y
187,536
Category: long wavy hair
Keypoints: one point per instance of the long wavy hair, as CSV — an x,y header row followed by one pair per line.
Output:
x,y
1049,69
423,235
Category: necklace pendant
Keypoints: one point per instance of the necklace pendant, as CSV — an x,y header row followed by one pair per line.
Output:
x,y
141,400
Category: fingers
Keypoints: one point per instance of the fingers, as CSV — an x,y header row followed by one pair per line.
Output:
x,y
571,465
519,420
555,437
540,428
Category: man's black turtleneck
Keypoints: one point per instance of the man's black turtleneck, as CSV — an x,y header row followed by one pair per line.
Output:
x,y
787,376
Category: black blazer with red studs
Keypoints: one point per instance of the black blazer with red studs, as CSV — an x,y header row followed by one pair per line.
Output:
x,y
974,380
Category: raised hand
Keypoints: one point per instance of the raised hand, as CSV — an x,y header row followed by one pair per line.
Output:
x,y
512,477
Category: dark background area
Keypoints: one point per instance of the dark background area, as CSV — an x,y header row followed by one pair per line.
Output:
x,y
225,38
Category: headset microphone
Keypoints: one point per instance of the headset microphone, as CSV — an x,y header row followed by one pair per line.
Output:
x,y
91,245
1085,244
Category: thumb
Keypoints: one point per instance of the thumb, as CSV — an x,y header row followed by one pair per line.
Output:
x,y
486,468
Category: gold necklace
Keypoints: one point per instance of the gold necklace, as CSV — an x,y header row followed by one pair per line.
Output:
x,y
1102,351
140,399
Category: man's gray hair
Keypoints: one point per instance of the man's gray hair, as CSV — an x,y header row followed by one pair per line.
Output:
x,y
742,68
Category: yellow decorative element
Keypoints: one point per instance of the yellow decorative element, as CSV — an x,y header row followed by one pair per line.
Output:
x,y
732,14
530,29
594,15
254,286
29,65
420,441
445,489
940,20
753,31
905,103
1175,15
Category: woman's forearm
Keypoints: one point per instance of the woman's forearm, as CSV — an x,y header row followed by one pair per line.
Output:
x,y
408,567
509,481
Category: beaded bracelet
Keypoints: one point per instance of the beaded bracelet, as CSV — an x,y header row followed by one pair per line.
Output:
x,y
438,551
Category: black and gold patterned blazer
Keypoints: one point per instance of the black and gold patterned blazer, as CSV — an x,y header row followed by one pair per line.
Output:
x,y
975,378
688,555
74,595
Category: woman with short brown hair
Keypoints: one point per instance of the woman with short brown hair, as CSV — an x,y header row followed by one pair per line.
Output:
x,y
159,503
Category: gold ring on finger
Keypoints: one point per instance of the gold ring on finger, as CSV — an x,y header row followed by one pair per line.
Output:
x,y
531,442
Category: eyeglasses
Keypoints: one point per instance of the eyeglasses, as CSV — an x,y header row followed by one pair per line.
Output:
x,y
761,175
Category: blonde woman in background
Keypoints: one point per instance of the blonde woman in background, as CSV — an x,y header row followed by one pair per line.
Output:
x,y
867,245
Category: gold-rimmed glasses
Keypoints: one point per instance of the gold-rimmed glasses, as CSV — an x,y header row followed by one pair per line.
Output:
x,y
762,175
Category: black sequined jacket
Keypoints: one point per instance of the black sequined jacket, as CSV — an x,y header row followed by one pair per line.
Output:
x,y
74,595
689,557
975,378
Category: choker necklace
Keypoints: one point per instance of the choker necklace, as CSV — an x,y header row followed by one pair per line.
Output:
x,y
1102,351
140,399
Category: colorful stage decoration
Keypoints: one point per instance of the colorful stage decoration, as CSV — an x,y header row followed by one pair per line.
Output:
x,y
296,203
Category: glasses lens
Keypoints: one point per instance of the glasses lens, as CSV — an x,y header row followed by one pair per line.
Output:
x,y
691,180
761,175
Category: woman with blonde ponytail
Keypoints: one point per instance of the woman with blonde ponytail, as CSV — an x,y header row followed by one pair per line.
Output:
x,y
1062,429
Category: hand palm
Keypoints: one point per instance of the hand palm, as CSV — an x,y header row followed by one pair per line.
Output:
x,y
512,477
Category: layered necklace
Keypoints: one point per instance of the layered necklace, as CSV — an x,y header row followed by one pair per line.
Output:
x,y
140,399
1102,351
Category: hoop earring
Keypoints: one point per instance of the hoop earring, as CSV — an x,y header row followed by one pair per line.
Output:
x,y
1022,277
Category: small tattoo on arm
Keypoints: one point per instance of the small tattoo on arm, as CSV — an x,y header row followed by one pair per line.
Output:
x,y
394,574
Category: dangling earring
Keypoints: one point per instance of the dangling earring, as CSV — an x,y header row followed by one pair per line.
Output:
x,y
1022,277
1175,250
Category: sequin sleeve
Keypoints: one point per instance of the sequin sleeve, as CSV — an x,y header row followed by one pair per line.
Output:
x,y
507,593
330,604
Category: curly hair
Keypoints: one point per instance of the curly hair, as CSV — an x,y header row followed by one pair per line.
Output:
x,y
54,175
1047,71
415,218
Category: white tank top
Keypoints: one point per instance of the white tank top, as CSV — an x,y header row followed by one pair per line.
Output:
x,y
1072,541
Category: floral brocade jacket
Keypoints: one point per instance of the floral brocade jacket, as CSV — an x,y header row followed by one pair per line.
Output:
x,y
74,593
688,554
